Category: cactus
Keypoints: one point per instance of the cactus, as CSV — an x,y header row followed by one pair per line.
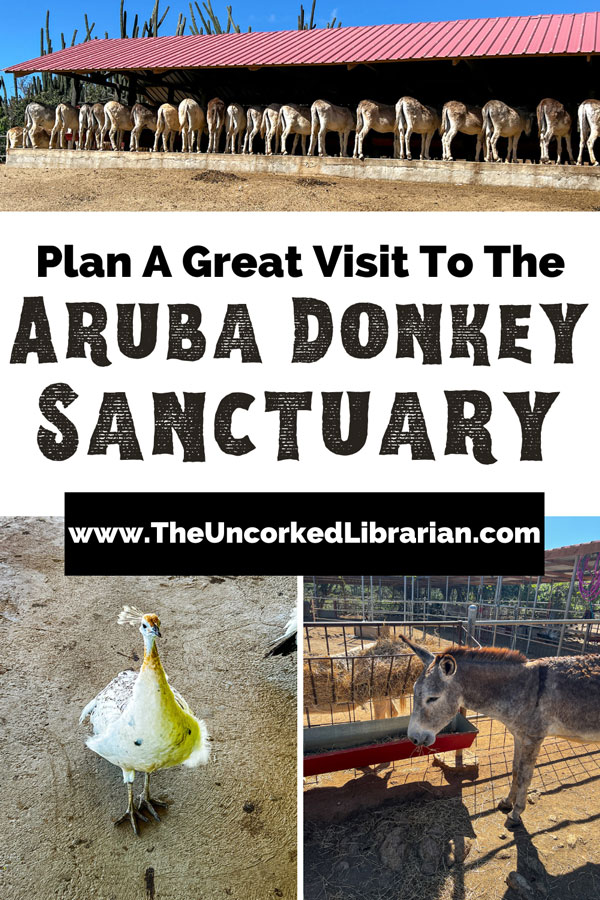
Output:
x,y
48,41
207,26
88,29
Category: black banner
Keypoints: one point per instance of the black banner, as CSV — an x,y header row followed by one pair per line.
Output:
x,y
296,533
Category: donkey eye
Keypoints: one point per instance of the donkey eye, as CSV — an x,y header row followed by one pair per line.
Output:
x,y
431,699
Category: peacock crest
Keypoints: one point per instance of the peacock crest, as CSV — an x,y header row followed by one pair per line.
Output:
x,y
130,615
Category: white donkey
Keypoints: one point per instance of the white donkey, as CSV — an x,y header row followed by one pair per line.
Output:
x,y
269,128
66,119
294,120
192,121
588,123
501,120
457,116
413,116
553,122
254,116
379,118
235,126
559,697
167,127
326,116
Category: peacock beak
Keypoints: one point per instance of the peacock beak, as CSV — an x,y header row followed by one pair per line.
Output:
x,y
155,630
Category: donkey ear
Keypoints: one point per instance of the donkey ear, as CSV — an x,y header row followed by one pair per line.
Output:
x,y
424,655
447,664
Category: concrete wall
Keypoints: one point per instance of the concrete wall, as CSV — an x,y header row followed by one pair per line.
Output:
x,y
432,171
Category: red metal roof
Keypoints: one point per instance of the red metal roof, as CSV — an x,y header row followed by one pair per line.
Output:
x,y
466,38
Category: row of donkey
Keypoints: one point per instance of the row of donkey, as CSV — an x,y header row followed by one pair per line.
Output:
x,y
275,123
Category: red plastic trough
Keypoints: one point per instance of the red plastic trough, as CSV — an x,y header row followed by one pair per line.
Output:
x,y
459,735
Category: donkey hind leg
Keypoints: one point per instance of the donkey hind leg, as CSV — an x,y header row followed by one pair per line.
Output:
x,y
447,142
322,137
494,144
558,149
594,133
407,137
428,139
569,148
527,756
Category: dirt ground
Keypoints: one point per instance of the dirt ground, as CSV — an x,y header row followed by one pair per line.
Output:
x,y
418,831
63,190
230,829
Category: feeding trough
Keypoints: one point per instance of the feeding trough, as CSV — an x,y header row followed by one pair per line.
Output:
x,y
329,748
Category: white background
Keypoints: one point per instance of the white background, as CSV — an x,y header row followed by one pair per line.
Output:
x,y
33,485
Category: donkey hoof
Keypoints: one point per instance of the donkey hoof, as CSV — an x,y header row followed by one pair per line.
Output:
x,y
513,823
505,805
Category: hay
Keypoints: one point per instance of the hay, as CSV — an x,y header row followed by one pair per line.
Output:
x,y
385,670
409,850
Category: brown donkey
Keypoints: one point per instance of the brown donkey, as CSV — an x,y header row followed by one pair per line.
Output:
x,y
534,699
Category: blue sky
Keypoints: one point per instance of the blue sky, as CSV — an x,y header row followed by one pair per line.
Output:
x,y
20,32
564,530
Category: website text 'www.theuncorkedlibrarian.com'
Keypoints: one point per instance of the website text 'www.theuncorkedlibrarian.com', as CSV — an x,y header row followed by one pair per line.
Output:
x,y
340,532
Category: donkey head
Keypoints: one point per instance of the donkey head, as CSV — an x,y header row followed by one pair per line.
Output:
x,y
437,695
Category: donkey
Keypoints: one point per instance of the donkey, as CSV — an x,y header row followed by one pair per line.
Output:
x,y
559,697
413,117
501,120
588,124
378,117
553,122
215,120
457,116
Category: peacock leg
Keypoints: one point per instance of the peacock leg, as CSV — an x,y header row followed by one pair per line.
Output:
x,y
131,812
147,802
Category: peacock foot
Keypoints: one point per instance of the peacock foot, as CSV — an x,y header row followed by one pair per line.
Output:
x,y
149,804
145,801
131,814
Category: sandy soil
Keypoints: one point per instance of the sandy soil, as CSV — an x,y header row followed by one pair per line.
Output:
x,y
61,190
230,831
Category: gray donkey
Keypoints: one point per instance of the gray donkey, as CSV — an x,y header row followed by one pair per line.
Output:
x,y
534,699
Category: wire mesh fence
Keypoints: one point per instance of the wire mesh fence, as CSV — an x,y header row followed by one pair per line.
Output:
x,y
345,682
410,597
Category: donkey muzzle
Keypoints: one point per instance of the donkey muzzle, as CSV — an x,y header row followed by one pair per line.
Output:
x,y
421,739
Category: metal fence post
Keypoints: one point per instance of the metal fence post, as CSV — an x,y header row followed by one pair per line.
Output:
x,y
567,605
471,620
535,597
497,601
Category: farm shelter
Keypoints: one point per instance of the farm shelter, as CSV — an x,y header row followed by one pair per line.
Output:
x,y
230,829
518,59
430,822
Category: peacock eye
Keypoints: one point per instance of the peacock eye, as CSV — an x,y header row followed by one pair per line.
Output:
x,y
432,699
144,625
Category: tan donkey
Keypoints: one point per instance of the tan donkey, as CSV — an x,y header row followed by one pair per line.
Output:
x,y
534,699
